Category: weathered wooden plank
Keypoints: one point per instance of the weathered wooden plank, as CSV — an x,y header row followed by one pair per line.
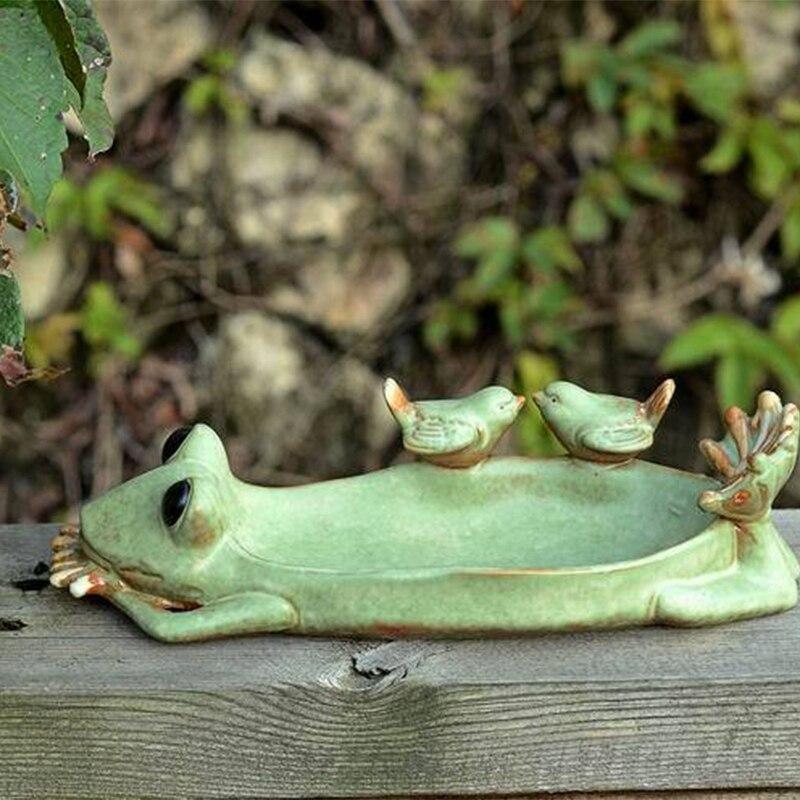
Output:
x,y
89,707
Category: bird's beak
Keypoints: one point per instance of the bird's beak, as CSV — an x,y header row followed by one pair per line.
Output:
x,y
538,398
520,400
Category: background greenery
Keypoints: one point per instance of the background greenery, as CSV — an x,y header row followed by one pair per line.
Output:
x,y
305,196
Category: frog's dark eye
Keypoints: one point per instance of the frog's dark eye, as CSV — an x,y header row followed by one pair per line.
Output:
x,y
173,442
176,498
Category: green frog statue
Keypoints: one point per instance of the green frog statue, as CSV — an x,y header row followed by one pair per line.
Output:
x,y
457,543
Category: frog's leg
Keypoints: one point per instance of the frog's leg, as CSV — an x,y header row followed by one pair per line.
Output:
x,y
762,580
249,612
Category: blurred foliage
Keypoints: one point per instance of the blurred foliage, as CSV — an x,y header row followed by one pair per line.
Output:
x,y
104,324
108,193
643,87
743,354
212,89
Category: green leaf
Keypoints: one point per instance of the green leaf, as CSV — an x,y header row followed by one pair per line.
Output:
x,y
12,321
549,300
716,88
650,37
513,320
647,179
105,323
115,189
639,116
607,187
492,270
737,379
54,19
789,110
726,153
709,337
602,92
790,232
64,208
487,236
94,54
550,248
772,166
587,220
785,323
717,335
32,97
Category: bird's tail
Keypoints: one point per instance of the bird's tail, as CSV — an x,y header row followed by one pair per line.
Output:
x,y
657,403
396,399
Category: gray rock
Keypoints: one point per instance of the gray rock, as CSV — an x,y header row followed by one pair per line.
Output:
x,y
285,195
299,408
372,118
152,42
354,295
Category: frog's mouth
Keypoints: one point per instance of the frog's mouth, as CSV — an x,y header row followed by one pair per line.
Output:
x,y
75,565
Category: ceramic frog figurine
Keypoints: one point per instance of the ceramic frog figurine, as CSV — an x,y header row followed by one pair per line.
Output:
x,y
517,545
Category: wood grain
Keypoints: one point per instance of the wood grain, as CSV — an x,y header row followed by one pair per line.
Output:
x,y
91,708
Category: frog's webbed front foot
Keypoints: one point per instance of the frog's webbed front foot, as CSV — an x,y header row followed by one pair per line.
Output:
x,y
249,612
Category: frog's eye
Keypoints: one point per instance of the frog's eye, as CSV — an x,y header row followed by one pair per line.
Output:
x,y
173,442
176,498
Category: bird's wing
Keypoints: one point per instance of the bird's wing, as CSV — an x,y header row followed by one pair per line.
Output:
x,y
618,439
432,434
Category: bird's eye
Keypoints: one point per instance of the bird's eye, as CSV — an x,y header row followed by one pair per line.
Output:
x,y
176,498
173,442
553,398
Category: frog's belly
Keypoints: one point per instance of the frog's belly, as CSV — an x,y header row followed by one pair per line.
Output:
x,y
505,514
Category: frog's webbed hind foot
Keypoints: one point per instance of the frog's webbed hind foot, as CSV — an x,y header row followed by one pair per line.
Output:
x,y
715,599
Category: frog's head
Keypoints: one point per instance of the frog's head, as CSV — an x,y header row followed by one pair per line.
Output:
x,y
158,530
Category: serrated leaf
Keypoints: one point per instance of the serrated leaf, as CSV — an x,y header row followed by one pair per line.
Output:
x,y
736,380
12,320
785,323
54,18
587,220
650,37
726,153
94,53
32,97
715,88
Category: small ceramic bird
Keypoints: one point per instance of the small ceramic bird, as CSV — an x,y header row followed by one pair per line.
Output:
x,y
602,427
453,433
